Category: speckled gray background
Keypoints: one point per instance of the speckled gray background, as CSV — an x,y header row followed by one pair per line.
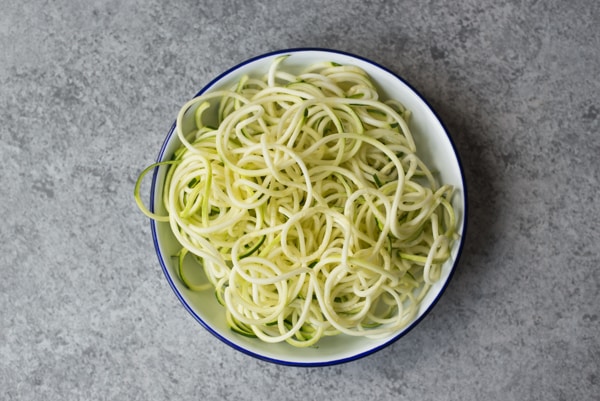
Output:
x,y
88,91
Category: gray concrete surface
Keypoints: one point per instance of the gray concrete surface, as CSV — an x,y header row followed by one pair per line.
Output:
x,y
88,91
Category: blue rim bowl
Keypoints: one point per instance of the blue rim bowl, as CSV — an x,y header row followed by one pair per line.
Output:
x,y
434,146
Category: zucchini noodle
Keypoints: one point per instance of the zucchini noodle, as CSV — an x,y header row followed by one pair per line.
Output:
x,y
307,206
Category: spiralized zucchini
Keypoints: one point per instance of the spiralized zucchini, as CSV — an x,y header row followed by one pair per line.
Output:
x,y
307,206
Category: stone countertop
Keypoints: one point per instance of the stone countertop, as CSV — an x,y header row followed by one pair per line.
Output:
x,y
90,89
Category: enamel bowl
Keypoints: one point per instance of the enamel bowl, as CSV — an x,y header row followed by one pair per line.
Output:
x,y
434,146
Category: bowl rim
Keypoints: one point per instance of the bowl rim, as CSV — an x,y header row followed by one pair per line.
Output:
x,y
334,361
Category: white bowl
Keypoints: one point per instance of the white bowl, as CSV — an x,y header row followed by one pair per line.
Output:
x,y
434,146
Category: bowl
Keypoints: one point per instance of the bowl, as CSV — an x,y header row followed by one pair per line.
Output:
x,y
434,147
